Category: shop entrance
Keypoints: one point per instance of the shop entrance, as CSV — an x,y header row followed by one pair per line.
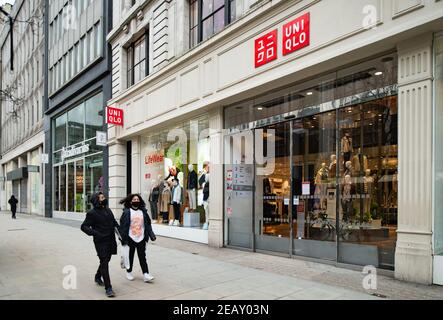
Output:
x,y
333,192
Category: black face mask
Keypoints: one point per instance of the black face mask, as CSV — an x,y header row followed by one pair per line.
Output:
x,y
135,205
104,203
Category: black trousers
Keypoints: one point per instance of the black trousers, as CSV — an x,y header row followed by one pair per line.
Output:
x,y
103,271
176,210
141,252
154,210
347,156
13,214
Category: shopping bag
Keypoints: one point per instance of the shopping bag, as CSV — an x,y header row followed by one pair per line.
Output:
x,y
124,259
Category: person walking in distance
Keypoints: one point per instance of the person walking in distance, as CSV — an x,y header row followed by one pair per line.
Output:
x,y
136,230
13,203
101,224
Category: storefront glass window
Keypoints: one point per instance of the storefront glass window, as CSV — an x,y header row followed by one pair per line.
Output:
x,y
94,180
60,132
335,155
167,158
94,116
62,198
78,169
76,125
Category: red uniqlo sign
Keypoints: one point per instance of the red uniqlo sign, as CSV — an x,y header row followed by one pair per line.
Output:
x,y
266,49
296,34
114,116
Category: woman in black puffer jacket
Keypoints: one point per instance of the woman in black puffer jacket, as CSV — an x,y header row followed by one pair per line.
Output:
x,y
101,224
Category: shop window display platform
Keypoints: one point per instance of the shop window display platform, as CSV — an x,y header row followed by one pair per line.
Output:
x,y
183,233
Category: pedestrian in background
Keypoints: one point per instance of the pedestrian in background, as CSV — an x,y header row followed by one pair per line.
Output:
x,y
136,230
101,224
13,203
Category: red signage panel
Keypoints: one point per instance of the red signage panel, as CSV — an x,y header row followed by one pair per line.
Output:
x,y
266,49
296,34
114,116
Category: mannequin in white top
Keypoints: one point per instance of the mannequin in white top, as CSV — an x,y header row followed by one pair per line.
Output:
x,y
348,168
346,198
332,167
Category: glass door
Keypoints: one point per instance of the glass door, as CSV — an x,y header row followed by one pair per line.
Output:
x,y
239,189
273,188
314,184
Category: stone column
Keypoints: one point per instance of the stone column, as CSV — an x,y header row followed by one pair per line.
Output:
x,y
215,234
136,172
413,257
42,183
22,162
117,175
28,186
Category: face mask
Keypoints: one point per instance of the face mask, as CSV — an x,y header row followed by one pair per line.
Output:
x,y
104,203
136,204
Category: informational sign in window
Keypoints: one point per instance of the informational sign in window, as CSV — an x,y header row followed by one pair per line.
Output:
x,y
306,188
101,139
296,34
266,49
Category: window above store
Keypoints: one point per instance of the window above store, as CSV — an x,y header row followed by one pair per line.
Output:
x,y
208,17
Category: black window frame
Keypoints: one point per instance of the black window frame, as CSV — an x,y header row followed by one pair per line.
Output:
x,y
227,7
131,58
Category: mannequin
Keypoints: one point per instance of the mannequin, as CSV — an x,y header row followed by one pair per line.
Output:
x,y
191,187
321,185
206,201
358,161
176,202
165,200
368,183
204,183
346,146
348,168
346,198
154,195
173,172
332,167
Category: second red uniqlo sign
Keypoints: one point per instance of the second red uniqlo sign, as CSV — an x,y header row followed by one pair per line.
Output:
x,y
296,34
266,48
114,116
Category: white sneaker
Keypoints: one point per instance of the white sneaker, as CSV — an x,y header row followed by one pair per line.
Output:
x,y
147,277
129,276
176,223
171,222
205,226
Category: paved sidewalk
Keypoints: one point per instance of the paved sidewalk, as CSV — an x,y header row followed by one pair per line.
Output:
x,y
34,251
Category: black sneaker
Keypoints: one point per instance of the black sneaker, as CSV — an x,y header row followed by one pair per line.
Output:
x,y
110,293
99,281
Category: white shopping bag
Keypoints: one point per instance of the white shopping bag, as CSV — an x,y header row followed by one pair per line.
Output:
x,y
124,260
